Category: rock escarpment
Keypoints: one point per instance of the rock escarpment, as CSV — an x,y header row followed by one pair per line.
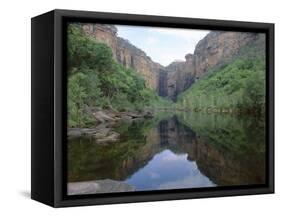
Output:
x,y
219,48
215,49
125,53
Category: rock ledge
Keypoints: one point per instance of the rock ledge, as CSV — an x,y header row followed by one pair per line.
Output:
x,y
98,186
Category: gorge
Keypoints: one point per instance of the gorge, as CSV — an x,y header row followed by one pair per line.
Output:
x,y
216,49
136,125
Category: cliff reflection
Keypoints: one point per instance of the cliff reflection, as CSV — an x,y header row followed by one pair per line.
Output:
x,y
227,149
182,151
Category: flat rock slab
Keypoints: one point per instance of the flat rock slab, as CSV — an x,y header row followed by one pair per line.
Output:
x,y
102,117
77,132
98,186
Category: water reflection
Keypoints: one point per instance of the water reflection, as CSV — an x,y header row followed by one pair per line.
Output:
x,y
168,170
182,151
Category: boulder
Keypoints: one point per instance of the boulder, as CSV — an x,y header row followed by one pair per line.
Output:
x,y
102,117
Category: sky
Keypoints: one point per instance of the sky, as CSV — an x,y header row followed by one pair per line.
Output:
x,y
163,45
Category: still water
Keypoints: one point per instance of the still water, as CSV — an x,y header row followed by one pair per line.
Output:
x,y
174,151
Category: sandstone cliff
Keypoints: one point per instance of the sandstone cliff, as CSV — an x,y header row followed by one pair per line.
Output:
x,y
219,48
180,76
125,53
214,50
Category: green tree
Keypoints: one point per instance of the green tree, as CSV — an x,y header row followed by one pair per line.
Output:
x,y
76,97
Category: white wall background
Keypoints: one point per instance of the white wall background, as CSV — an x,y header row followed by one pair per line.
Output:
x,y
15,106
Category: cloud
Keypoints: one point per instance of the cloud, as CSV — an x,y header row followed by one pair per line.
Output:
x,y
154,175
165,59
173,157
151,40
195,181
190,35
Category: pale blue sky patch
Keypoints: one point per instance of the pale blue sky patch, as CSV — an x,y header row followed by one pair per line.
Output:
x,y
167,170
163,45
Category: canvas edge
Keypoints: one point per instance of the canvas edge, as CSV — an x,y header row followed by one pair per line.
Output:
x,y
59,201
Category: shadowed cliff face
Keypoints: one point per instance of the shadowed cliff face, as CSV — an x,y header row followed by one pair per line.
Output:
x,y
214,50
163,83
181,76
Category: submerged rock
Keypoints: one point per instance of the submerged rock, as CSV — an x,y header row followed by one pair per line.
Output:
x,y
98,186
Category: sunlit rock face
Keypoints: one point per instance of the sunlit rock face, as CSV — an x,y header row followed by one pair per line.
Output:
x,y
126,53
103,33
214,50
219,48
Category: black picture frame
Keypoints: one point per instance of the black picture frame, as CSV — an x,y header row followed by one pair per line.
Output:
x,y
48,184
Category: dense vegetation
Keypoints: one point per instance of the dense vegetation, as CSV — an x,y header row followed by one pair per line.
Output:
x,y
95,79
235,87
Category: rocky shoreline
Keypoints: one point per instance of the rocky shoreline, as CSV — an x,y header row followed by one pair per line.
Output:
x,y
107,120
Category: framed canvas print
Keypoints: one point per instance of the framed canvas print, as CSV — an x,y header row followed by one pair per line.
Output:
x,y
130,108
